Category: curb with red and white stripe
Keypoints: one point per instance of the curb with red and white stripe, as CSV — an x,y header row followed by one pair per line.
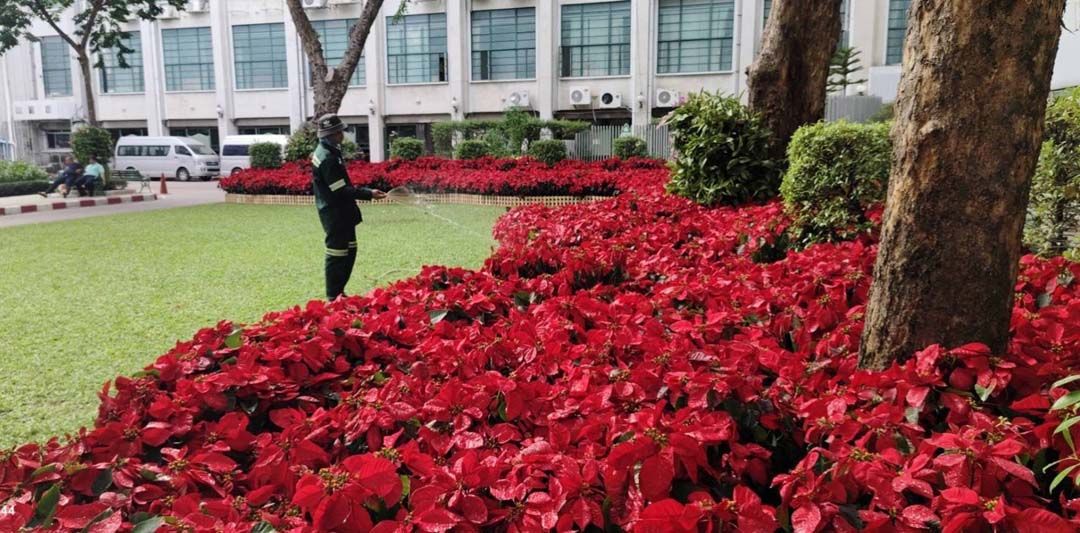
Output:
x,y
72,204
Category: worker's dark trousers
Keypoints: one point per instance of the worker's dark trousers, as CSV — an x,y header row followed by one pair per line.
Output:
x,y
340,256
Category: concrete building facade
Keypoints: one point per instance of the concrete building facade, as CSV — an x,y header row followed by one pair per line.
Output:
x,y
236,66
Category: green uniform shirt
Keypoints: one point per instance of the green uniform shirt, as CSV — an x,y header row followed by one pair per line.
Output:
x,y
335,197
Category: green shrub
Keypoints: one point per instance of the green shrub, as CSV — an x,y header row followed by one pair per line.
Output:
x,y
504,137
302,144
1054,206
836,170
265,155
548,151
19,188
406,148
885,114
17,171
722,152
627,147
349,149
471,149
92,141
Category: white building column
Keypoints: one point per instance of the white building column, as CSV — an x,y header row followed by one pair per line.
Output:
x,y
641,46
294,65
153,77
374,61
547,46
221,41
748,31
457,33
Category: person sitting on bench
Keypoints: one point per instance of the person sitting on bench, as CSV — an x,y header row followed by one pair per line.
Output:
x,y
66,178
92,174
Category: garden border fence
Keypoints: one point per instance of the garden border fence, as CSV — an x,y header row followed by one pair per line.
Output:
x,y
598,142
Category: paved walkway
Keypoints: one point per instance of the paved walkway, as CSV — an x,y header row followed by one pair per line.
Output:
x,y
181,194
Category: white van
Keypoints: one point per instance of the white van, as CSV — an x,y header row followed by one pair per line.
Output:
x,y
176,157
234,150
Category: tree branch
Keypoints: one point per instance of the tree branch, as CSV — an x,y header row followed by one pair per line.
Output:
x,y
89,25
309,38
37,7
358,36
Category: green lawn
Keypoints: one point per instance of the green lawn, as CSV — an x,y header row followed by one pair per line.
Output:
x,y
84,301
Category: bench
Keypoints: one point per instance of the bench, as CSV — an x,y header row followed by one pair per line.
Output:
x,y
133,176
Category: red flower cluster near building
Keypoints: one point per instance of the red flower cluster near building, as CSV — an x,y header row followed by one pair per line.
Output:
x,y
640,362
508,177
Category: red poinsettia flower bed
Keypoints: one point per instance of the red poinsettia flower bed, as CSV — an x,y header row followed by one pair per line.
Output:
x,y
633,363
509,177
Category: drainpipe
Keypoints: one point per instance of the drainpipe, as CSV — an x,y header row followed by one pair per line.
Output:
x,y
738,48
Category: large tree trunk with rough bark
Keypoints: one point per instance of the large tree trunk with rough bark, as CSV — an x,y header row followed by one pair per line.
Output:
x,y
787,81
969,122
329,83
88,87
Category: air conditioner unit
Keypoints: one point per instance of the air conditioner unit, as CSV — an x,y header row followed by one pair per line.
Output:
x,y
610,100
667,98
518,99
198,6
168,12
314,4
580,96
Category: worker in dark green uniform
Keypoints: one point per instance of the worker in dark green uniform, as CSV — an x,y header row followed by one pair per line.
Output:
x,y
335,198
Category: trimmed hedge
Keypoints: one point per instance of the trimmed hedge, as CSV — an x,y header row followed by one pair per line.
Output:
x,y
471,149
19,188
17,171
722,152
627,147
301,144
1053,220
836,171
89,141
548,151
406,148
265,155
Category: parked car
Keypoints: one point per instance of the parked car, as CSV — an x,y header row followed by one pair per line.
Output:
x,y
234,150
176,157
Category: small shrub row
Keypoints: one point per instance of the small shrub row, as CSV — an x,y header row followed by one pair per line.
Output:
x,y
19,188
19,171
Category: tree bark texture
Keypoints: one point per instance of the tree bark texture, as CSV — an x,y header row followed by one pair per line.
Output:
x,y
330,90
787,81
88,88
969,123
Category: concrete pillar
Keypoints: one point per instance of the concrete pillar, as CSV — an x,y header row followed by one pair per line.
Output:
x,y
457,35
547,65
221,40
749,17
374,61
641,31
295,60
153,77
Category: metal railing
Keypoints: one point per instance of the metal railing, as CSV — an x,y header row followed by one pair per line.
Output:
x,y
598,141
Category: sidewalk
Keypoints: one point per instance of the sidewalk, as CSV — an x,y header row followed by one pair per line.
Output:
x,y
41,210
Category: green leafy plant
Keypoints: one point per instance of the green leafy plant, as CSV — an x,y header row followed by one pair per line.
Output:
x,y
885,114
17,171
722,152
842,68
1066,406
349,149
302,144
836,171
265,155
471,149
504,137
406,148
1054,205
90,141
548,151
627,147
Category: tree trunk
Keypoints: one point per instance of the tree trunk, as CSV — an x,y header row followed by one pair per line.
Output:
x,y
329,90
88,87
969,122
787,80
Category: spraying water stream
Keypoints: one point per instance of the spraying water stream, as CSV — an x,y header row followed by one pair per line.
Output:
x,y
404,196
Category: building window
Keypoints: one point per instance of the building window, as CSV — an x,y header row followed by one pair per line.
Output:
x,y
766,9
55,66
504,44
334,36
416,48
189,59
265,130
116,133
898,14
259,53
844,26
207,135
596,39
695,36
58,140
116,78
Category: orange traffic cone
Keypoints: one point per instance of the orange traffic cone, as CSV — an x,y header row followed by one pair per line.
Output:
x,y
164,186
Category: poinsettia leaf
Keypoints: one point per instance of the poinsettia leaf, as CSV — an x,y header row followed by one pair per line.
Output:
x,y
1066,401
1065,381
806,519
437,315
263,527
1033,520
235,339
149,525
1061,476
46,506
